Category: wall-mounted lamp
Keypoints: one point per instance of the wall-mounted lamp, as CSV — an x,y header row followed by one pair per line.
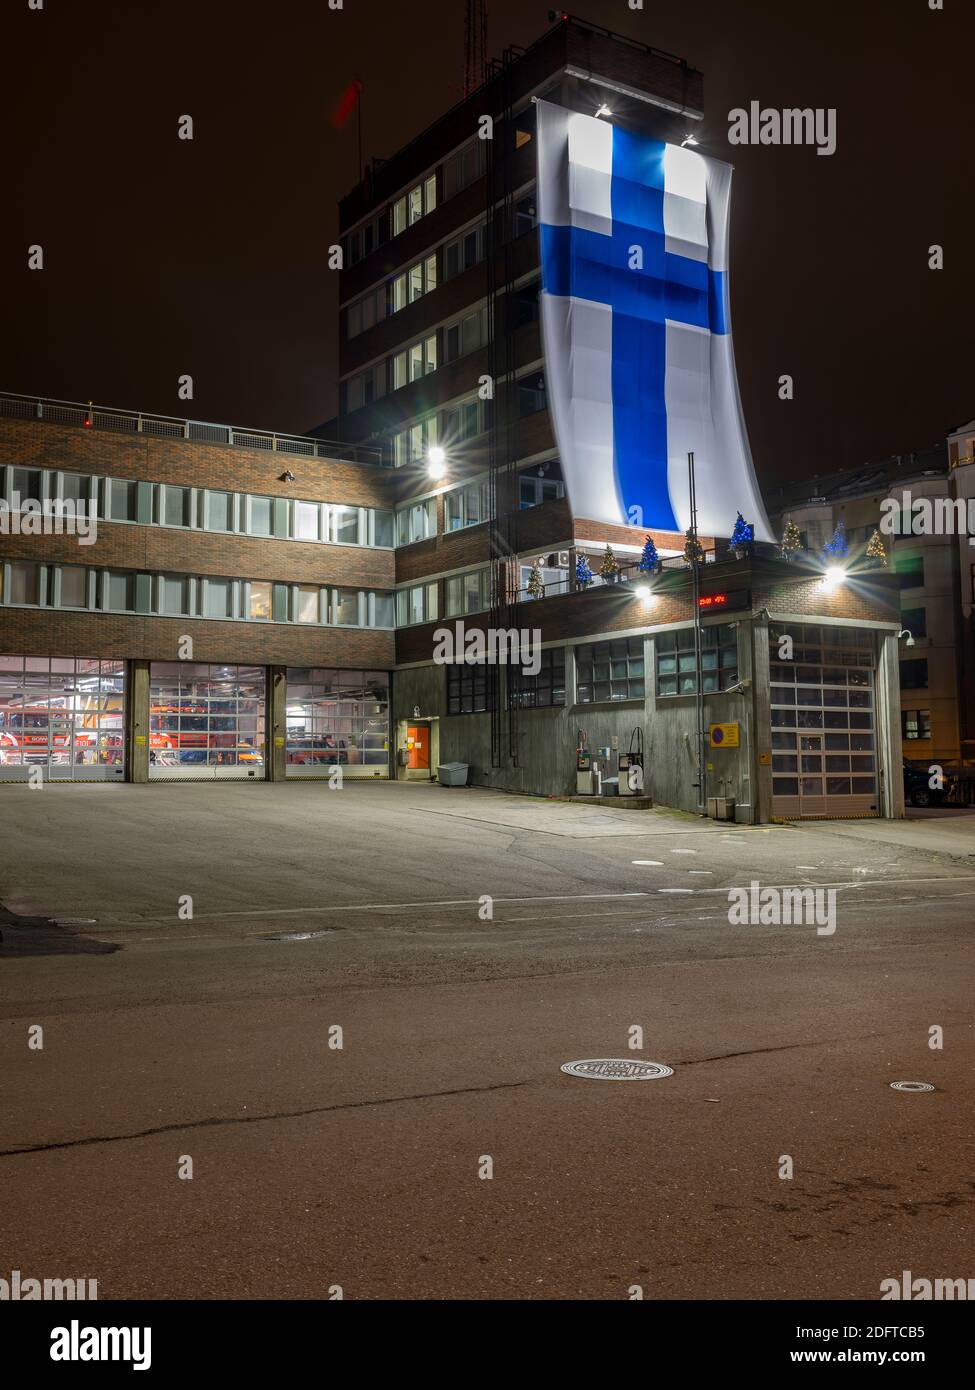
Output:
x,y
287,477
906,633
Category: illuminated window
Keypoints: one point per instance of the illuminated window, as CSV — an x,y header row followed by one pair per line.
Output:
x,y
259,601
915,724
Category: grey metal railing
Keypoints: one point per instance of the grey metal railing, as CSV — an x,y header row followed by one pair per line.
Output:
x,y
90,416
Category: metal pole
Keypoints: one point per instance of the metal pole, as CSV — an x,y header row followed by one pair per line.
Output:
x,y
702,794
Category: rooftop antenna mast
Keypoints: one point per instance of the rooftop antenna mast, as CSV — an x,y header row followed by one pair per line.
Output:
x,y
475,45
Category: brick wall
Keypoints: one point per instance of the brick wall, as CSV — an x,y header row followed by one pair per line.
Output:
x,y
49,632
121,545
38,444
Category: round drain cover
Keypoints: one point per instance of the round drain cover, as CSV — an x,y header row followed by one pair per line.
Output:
x,y
616,1069
911,1086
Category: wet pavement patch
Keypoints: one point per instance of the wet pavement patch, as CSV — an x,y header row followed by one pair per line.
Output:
x,y
297,935
44,936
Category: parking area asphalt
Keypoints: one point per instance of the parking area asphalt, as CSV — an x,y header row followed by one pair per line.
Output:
x,y
349,1009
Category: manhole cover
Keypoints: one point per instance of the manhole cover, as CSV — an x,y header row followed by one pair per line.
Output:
x,y
911,1086
616,1069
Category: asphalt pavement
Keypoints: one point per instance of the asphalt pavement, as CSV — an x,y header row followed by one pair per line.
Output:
x,y
346,1014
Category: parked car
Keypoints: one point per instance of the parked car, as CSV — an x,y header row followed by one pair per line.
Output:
x,y
917,790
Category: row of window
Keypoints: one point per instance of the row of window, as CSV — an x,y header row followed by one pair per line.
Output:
x,y
416,361
28,584
207,509
470,505
461,253
468,687
458,171
458,424
605,672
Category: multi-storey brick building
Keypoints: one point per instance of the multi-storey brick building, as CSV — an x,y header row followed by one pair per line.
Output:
x,y
223,608
267,606
442,362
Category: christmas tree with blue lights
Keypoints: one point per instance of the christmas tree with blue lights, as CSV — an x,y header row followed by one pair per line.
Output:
x,y
743,534
583,573
837,547
649,560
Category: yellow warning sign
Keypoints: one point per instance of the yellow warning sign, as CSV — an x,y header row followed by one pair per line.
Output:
x,y
724,735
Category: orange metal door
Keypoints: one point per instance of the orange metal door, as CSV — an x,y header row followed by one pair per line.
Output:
x,y
418,747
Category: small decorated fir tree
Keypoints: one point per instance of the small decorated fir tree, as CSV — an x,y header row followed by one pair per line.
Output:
x,y
837,547
583,573
742,536
536,585
693,550
609,568
791,541
649,560
876,550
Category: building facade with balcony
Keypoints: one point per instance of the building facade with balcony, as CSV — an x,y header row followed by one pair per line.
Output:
x,y
441,361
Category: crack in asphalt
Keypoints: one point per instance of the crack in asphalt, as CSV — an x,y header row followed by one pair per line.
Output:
x,y
217,1121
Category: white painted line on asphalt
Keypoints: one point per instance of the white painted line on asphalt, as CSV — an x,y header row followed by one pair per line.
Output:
x,y
650,863
684,851
381,907
860,883
675,890
709,873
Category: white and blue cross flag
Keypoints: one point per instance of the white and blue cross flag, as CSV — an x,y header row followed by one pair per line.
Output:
x,y
639,364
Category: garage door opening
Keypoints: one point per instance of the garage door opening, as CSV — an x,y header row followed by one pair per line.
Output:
x,y
63,716
824,749
206,722
337,719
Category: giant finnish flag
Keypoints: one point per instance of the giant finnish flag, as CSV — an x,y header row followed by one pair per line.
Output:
x,y
640,368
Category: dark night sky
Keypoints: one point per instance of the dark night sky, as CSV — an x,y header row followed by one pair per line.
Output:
x,y
165,256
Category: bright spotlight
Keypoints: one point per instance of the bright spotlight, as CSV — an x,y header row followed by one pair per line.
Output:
x,y
688,140
644,591
603,111
835,574
436,462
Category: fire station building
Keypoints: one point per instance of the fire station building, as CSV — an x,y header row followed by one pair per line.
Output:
x,y
236,604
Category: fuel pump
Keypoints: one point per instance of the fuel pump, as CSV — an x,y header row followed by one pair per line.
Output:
x,y
585,778
631,766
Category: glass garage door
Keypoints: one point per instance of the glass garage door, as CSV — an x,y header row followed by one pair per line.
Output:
x,y
337,718
206,722
824,751
63,715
